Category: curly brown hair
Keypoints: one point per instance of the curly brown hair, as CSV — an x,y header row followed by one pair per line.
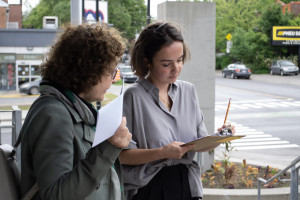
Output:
x,y
82,55
150,41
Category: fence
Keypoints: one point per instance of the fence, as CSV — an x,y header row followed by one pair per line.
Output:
x,y
15,116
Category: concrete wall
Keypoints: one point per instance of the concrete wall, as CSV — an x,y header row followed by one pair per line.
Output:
x,y
198,22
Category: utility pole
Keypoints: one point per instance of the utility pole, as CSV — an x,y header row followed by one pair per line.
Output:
x,y
97,10
148,12
76,11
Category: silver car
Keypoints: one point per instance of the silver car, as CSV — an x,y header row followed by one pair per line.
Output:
x,y
31,88
127,74
283,67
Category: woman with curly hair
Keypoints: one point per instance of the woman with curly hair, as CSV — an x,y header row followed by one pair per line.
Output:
x,y
58,131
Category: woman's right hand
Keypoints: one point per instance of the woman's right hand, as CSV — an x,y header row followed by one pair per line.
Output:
x,y
122,136
175,150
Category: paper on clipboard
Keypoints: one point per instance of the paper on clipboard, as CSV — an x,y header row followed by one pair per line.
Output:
x,y
109,119
210,141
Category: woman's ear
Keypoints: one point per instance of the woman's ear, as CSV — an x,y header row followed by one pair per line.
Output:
x,y
147,62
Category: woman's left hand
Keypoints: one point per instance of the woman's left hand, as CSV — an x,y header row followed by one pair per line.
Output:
x,y
228,126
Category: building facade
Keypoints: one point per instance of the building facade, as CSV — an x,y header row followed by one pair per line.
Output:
x,y
21,53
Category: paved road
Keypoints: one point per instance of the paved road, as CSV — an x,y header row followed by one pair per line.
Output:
x,y
266,106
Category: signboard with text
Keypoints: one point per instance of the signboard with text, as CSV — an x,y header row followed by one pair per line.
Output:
x,y
286,35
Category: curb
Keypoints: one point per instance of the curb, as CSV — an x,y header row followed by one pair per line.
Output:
x,y
247,194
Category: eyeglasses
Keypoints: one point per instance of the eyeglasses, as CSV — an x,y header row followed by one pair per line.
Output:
x,y
113,75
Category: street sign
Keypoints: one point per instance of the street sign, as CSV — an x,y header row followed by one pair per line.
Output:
x,y
229,37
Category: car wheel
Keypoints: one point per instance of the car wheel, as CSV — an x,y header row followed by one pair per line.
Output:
x,y
223,75
248,77
232,76
281,73
34,91
296,74
271,72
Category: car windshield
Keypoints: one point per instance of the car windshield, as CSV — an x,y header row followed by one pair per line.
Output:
x,y
240,66
37,80
125,70
287,63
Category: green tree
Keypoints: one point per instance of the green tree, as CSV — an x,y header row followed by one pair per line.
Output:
x,y
287,1
129,16
273,16
237,13
243,45
59,8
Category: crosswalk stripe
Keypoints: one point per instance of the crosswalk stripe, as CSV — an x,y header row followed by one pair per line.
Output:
x,y
255,139
233,144
290,103
238,106
244,105
242,140
266,105
278,104
251,105
258,136
267,147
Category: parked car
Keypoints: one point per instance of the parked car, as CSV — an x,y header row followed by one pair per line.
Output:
x,y
127,74
283,67
236,71
31,88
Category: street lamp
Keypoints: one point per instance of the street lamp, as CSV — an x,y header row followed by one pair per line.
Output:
x,y
148,12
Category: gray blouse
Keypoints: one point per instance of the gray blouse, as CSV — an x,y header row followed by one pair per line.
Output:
x,y
153,126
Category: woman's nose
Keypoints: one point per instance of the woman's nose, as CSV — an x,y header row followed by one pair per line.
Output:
x,y
176,67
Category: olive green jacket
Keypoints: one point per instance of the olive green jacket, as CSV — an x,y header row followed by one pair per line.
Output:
x,y
57,154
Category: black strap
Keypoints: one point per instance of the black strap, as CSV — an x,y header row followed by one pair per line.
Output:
x,y
31,192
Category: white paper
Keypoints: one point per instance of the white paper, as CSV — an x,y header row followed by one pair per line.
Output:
x,y
109,119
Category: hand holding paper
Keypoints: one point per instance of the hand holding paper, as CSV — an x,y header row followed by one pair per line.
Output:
x,y
109,124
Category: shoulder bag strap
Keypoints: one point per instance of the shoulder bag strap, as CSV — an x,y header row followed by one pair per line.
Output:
x,y
35,188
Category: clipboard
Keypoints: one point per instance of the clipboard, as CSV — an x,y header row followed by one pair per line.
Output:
x,y
210,141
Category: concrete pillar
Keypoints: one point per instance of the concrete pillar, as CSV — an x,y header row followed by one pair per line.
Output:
x,y
76,12
198,23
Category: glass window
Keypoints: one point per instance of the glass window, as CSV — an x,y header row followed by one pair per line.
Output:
x,y
35,70
23,70
7,76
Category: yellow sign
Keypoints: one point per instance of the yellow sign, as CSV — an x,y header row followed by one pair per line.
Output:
x,y
229,37
286,35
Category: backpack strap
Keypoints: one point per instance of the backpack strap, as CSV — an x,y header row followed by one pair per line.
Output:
x,y
31,192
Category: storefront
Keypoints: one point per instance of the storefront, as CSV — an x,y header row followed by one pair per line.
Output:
x,y
21,53
16,69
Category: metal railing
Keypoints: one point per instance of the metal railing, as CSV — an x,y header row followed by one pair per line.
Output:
x,y
15,117
294,179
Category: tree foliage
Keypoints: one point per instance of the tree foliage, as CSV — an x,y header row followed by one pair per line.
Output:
x,y
236,13
128,16
250,24
59,8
